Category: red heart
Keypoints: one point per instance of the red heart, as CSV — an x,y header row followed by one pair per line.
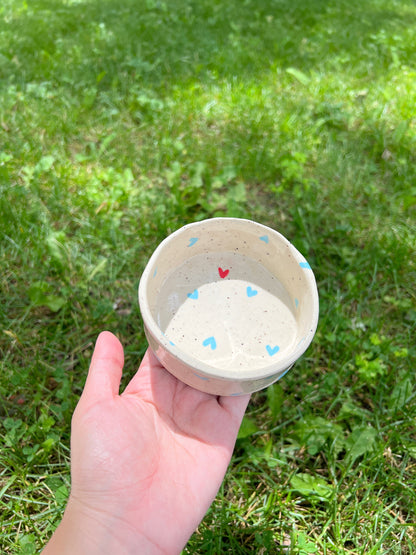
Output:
x,y
223,273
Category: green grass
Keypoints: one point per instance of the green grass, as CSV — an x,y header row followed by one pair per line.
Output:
x,y
119,123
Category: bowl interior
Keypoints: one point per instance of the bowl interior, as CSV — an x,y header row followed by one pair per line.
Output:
x,y
230,296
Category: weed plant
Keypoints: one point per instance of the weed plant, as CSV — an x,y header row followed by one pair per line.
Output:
x,y
122,121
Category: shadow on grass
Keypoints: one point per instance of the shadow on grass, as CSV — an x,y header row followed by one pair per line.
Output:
x,y
81,43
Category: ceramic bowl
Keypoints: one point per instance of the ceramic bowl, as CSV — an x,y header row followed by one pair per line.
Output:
x,y
228,305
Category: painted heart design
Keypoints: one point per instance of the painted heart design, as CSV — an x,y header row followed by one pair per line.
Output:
x,y
251,292
210,342
264,238
200,377
272,350
192,241
305,265
223,273
194,294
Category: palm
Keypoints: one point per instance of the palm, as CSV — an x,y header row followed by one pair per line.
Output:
x,y
160,449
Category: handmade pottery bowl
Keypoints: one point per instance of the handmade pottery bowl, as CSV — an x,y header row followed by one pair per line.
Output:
x,y
228,305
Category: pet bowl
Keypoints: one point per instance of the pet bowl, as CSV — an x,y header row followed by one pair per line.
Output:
x,y
228,305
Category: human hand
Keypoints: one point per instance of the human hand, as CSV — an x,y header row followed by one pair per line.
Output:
x,y
146,464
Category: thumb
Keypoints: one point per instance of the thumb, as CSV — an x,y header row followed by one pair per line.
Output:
x,y
104,375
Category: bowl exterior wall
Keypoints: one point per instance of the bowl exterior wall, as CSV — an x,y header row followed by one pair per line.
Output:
x,y
205,383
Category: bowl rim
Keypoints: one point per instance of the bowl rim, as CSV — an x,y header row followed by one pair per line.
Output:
x,y
204,368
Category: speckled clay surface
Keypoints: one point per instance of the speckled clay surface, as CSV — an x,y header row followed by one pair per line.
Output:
x,y
228,305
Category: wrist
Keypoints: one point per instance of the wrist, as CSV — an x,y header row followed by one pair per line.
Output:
x,y
85,531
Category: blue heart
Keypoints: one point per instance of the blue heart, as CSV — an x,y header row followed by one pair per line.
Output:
x,y
192,241
193,295
272,350
210,342
200,377
251,292
264,238
305,265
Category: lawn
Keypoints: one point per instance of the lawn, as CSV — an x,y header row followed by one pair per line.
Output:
x,y
122,121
